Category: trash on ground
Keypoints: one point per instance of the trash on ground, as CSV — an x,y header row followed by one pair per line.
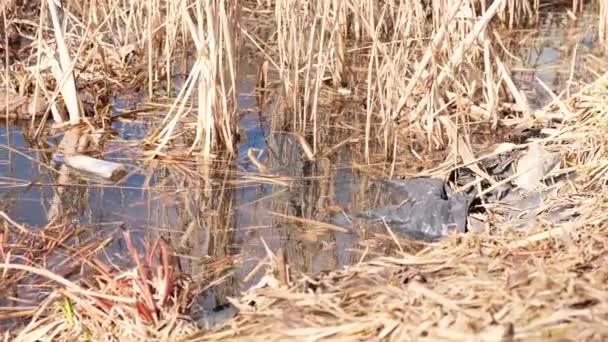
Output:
x,y
425,208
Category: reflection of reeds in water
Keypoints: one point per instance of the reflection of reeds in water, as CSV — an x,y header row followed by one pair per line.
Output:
x,y
446,290
303,221
305,243
73,141
560,54
327,183
66,247
200,220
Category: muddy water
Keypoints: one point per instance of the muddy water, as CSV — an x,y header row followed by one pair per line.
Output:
x,y
238,219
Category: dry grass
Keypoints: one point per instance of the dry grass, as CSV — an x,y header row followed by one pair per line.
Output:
x,y
50,247
415,68
474,288
151,301
77,57
408,78
405,62
143,304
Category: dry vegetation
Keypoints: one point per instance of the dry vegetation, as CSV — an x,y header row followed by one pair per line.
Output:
x,y
417,82
543,284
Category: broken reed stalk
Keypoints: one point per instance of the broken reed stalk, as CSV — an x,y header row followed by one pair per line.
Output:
x,y
151,28
63,73
428,55
340,30
321,62
206,89
458,56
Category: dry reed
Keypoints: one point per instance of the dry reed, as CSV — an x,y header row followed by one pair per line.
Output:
x,y
404,75
417,69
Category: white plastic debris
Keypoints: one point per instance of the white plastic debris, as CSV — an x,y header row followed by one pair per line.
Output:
x,y
97,167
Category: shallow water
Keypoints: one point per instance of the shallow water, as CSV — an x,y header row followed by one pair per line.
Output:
x,y
556,54
234,220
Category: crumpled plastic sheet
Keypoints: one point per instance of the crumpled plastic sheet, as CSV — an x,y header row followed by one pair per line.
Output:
x,y
428,208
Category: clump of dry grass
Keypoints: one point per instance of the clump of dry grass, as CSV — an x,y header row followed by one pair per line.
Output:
x,y
465,288
44,247
149,302
212,28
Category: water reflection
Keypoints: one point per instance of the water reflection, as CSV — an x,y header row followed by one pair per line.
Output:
x,y
556,54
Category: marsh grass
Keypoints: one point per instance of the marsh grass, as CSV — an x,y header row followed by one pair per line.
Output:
x,y
415,65
409,83
441,50
44,248
145,303
416,58
106,48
